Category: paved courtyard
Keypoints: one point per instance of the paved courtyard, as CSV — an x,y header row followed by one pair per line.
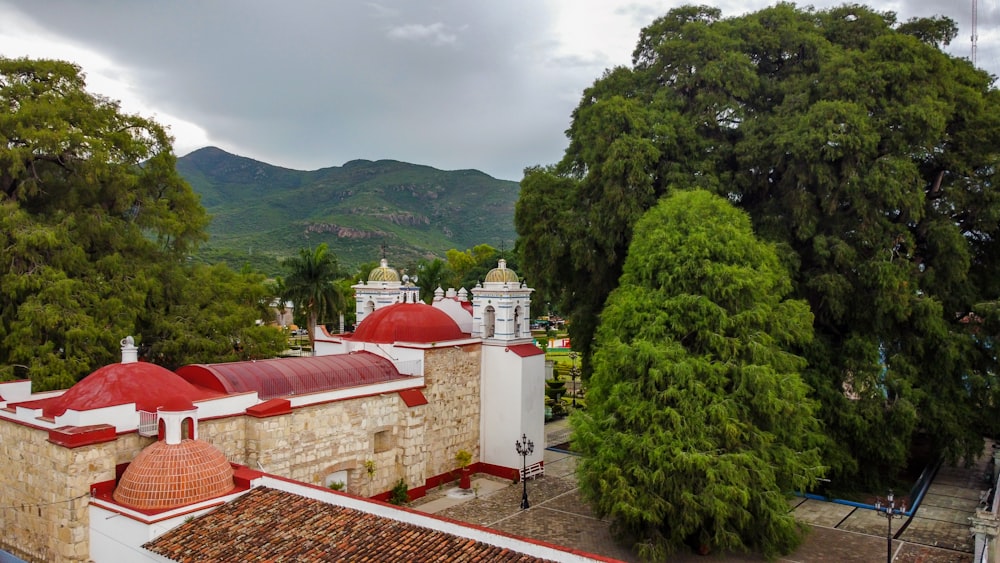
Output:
x,y
937,533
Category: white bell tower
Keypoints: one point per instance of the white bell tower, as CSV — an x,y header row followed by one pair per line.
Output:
x,y
384,287
512,384
501,307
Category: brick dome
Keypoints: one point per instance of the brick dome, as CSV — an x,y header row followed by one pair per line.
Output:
x,y
165,476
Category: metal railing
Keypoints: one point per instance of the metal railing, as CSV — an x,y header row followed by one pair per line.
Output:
x,y
148,424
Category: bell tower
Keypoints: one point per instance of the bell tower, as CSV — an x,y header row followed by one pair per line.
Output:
x,y
512,384
501,307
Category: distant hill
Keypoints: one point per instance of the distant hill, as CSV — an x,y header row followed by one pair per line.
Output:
x,y
262,214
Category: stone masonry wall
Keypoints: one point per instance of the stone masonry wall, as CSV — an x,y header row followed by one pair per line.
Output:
x,y
452,418
44,488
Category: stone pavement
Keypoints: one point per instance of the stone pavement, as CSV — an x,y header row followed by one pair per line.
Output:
x,y
937,533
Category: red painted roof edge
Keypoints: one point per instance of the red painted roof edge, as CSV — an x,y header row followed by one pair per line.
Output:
x,y
273,407
77,436
526,350
413,397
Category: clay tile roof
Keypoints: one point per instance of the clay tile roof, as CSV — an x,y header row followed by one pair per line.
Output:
x,y
166,476
271,525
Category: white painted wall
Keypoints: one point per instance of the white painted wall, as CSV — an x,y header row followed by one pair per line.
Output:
x,y
513,403
123,417
117,535
350,392
16,391
226,406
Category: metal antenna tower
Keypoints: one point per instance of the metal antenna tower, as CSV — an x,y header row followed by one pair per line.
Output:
x,y
975,24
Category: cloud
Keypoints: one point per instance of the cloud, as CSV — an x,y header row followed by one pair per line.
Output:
x,y
436,32
311,83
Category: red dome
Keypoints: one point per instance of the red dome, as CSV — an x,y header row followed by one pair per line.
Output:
x,y
166,476
408,322
145,384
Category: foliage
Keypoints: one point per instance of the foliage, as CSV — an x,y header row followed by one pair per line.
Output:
x,y
463,458
337,485
865,153
469,267
95,230
310,285
432,274
399,495
259,215
698,423
209,314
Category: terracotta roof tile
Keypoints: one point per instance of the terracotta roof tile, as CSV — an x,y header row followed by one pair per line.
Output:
x,y
271,525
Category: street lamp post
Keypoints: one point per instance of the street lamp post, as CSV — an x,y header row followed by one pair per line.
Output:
x,y
889,510
524,447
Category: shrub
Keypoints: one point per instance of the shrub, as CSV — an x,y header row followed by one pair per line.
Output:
x,y
400,493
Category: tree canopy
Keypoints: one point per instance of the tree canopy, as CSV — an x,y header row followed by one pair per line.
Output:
x,y
855,144
698,423
95,229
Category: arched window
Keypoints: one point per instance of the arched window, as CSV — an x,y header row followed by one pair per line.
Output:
x,y
517,321
489,322
369,306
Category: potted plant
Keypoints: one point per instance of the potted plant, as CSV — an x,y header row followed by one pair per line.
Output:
x,y
464,458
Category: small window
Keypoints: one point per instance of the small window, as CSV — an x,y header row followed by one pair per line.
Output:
x,y
336,480
383,441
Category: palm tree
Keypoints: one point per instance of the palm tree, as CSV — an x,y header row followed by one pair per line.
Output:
x,y
310,286
431,275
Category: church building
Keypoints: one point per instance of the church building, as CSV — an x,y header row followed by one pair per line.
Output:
x,y
397,399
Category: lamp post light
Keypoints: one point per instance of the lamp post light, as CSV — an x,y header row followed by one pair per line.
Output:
x,y
889,510
524,447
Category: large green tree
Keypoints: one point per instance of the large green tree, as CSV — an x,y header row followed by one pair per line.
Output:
x,y
95,228
867,154
310,285
698,424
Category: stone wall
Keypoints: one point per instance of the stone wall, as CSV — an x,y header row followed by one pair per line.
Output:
x,y
452,421
44,491
409,443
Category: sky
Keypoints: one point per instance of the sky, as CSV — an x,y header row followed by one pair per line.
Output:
x,y
308,84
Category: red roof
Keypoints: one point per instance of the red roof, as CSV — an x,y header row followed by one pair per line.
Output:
x,y
408,322
292,376
413,397
525,350
147,385
270,525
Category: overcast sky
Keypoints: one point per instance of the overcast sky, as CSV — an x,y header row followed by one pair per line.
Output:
x,y
308,84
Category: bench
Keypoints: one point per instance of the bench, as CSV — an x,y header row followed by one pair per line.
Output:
x,y
533,470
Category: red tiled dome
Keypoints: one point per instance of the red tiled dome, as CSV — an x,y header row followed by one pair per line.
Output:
x,y
142,383
408,322
166,476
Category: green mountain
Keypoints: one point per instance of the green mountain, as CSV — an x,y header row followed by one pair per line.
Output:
x,y
262,214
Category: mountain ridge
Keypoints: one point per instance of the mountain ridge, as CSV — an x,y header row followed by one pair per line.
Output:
x,y
263,214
